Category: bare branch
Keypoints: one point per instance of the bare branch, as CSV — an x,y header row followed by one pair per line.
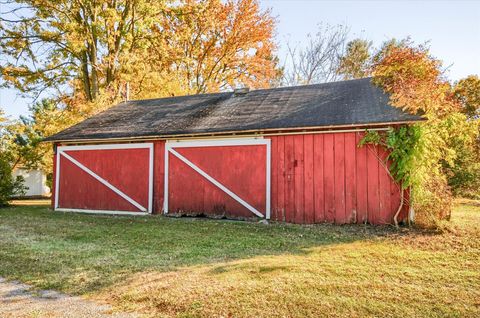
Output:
x,y
318,61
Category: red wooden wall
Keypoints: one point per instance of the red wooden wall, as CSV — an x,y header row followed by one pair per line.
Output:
x,y
318,178
327,178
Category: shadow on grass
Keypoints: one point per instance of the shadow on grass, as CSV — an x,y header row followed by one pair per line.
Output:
x,y
80,253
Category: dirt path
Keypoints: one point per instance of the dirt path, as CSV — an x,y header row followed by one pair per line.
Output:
x,y
17,300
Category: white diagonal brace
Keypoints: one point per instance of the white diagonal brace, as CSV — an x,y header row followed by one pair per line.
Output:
x,y
104,182
216,183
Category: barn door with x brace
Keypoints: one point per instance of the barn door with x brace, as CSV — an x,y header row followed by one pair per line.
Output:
x,y
218,177
108,178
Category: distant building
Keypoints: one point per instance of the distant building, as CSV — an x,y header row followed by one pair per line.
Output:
x,y
35,180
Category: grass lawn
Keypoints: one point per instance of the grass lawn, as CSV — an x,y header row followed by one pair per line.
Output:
x,y
209,268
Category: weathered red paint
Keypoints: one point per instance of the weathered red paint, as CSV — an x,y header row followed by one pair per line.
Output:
x,y
349,184
315,178
54,178
318,179
126,169
309,188
361,180
350,178
280,197
298,175
241,169
158,175
328,178
339,178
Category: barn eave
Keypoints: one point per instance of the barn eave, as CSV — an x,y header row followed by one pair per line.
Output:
x,y
239,133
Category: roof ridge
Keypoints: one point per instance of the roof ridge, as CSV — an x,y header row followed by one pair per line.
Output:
x,y
251,91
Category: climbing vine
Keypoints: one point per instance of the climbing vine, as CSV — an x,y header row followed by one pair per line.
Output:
x,y
417,157
402,144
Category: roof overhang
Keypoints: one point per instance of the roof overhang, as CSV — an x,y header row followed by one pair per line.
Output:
x,y
242,133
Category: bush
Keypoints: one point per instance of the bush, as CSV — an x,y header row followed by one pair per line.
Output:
x,y
433,200
463,172
9,186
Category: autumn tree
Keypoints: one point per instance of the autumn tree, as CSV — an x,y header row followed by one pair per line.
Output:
x,y
96,46
463,170
464,173
3,119
356,62
415,82
4,139
319,60
48,44
215,45
467,91
414,79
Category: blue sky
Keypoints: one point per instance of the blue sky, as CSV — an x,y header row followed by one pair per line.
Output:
x,y
452,27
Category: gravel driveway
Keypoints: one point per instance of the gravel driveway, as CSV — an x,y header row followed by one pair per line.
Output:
x,y
18,300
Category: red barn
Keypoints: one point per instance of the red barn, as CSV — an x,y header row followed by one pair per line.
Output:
x,y
286,154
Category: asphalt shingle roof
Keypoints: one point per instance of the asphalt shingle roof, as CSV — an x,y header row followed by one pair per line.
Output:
x,y
346,103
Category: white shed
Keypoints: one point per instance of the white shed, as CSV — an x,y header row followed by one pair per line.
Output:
x,y
35,180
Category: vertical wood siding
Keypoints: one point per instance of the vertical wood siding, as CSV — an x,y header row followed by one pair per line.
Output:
x,y
54,180
328,178
158,175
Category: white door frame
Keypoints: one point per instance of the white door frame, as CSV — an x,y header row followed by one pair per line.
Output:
x,y
61,151
169,149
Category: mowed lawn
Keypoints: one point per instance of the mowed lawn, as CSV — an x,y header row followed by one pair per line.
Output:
x,y
209,268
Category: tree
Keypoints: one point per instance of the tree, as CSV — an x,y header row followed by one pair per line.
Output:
x,y
414,79
357,59
467,90
94,47
3,121
319,60
463,171
83,52
415,82
9,186
21,139
214,45
49,43
4,140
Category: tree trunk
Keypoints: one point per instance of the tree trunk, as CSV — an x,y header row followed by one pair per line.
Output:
x,y
86,77
93,63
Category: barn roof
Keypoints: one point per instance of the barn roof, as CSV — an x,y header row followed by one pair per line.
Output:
x,y
353,103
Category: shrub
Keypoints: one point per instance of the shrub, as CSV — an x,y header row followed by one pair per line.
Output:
x,y
9,186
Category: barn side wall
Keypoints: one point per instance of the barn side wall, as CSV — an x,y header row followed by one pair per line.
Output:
x,y
318,178
327,178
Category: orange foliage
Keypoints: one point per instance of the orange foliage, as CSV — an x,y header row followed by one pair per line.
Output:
x,y
214,45
414,80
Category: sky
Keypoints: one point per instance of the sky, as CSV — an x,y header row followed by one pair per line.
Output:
x,y
451,27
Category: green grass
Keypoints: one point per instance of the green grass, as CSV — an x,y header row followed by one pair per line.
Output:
x,y
195,267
